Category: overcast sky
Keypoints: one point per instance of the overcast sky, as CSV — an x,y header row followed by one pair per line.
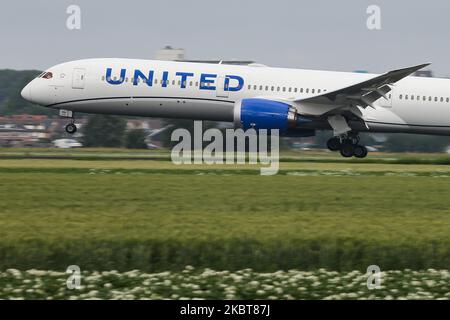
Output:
x,y
315,34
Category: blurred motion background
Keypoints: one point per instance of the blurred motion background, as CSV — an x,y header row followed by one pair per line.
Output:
x,y
23,124
296,34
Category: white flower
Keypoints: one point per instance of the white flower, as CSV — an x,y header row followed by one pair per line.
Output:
x,y
38,273
92,293
279,290
15,273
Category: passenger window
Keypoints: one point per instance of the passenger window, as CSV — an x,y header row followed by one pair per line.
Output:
x,y
412,97
103,78
307,90
260,88
400,97
406,97
448,100
295,89
318,90
278,88
442,99
255,87
312,90
267,88
301,90
284,89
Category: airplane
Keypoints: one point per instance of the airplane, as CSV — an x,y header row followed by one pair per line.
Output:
x,y
296,102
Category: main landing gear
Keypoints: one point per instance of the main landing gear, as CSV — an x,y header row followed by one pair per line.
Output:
x,y
348,146
71,128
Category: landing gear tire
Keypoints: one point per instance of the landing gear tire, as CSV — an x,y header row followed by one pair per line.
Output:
x,y
360,151
347,150
334,144
71,128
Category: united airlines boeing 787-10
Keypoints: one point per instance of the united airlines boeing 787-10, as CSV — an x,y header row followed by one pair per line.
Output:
x,y
297,102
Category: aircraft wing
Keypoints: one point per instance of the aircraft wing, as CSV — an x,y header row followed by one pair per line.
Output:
x,y
362,94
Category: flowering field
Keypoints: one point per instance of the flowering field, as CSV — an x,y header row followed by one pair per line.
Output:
x,y
209,284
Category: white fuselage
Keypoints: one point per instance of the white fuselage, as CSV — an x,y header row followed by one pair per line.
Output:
x,y
210,91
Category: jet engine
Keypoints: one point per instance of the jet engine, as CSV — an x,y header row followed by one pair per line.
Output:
x,y
268,114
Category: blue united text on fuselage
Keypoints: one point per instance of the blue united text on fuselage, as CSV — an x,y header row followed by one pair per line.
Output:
x,y
207,81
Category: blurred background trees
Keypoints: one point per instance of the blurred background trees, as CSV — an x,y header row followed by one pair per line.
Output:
x,y
136,139
104,131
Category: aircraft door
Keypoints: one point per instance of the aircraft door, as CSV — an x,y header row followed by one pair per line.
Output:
x,y
391,97
79,78
221,90
389,100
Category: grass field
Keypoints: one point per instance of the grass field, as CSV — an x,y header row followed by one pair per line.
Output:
x,y
106,213
154,216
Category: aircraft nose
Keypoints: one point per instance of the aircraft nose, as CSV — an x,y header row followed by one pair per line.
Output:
x,y
26,92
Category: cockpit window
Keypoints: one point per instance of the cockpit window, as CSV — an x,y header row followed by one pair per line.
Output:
x,y
41,74
48,75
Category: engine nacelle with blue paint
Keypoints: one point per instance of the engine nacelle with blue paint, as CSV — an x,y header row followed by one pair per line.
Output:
x,y
270,114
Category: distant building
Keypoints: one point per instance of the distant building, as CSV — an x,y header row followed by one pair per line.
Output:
x,y
24,130
423,73
144,124
169,54
420,73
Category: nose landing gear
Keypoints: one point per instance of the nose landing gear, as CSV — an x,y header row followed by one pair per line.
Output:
x,y
348,146
71,128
